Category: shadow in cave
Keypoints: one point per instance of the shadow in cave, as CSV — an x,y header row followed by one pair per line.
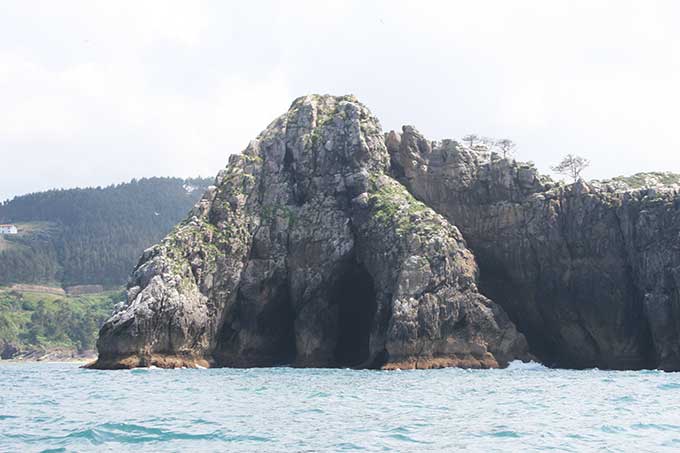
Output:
x,y
543,323
354,294
496,284
269,333
276,323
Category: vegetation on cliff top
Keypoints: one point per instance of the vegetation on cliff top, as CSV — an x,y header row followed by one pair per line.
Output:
x,y
648,179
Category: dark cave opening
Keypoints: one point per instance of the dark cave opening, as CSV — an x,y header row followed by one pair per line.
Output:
x,y
276,323
558,321
354,295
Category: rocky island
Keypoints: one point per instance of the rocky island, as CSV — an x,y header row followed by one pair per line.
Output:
x,y
327,243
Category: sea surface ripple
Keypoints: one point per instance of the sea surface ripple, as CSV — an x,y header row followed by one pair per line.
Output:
x,y
60,407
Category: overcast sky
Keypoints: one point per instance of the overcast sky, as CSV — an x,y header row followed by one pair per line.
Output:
x,y
97,92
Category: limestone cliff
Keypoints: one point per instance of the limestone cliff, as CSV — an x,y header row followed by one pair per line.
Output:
x,y
589,272
307,252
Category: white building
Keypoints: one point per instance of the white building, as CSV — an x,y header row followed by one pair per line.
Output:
x,y
8,229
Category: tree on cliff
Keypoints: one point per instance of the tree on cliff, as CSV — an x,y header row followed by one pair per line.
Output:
x,y
487,142
506,146
471,139
571,166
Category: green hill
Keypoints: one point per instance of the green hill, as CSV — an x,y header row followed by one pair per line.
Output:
x,y
92,235
34,324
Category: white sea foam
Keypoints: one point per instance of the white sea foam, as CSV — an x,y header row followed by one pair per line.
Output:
x,y
518,365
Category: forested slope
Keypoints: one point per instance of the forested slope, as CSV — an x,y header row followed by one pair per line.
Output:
x,y
92,235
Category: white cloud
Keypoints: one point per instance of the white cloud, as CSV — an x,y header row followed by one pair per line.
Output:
x,y
95,92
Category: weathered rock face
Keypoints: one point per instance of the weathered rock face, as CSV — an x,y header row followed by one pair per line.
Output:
x,y
589,273
307,252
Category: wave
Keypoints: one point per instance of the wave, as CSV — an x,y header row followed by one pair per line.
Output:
x,y
518,365
126,433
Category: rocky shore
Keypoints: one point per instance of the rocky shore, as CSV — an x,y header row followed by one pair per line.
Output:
x,y
12,353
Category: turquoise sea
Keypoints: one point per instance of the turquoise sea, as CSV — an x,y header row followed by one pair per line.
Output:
x,y
60,407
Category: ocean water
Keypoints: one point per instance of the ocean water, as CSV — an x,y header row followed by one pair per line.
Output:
x,y
60,407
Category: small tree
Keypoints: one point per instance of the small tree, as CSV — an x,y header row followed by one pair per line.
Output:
x,y
506,146
471,139
488,142
572,166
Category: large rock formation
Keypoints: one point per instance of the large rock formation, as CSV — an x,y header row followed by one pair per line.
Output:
x,y
327,243
590,273
307,252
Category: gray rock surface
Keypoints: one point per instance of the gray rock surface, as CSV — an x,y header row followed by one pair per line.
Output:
x,y
589,272
306,251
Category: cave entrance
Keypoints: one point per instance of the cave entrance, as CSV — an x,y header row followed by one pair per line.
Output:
x,y
354,295
276,325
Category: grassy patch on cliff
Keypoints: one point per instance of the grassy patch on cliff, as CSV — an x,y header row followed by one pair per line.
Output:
x,y
648,179
31,320
395,205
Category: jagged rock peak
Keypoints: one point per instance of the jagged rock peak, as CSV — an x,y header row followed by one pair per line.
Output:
x,y
306,251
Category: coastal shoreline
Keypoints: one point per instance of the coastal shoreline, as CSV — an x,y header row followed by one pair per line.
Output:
x,y
51,356
80,361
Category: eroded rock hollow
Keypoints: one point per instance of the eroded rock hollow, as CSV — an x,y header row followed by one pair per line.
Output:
x,y
308,252
590,272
